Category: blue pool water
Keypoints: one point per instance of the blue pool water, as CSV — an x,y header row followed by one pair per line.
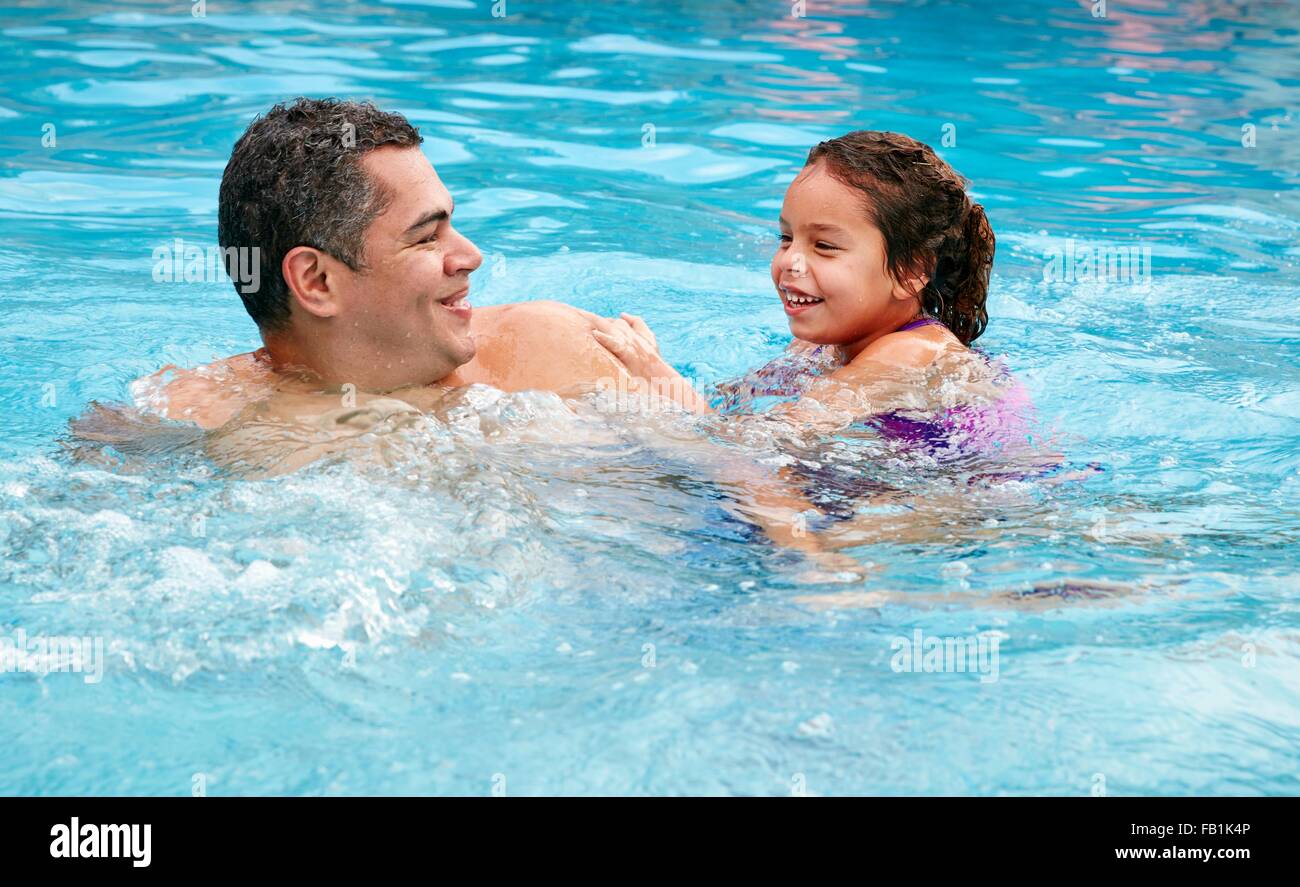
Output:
x,y
542,602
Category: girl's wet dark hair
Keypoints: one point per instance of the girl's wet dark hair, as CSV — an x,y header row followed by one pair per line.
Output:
x,y
930,225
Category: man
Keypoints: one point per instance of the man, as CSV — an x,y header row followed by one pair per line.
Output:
x,y
364,281
361,297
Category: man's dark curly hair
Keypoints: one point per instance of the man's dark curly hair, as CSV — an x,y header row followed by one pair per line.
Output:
x,y
295,179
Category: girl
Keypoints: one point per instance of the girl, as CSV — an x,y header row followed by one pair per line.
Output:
x,y
883,270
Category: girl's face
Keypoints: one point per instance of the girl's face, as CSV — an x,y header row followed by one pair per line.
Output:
x,y
829,268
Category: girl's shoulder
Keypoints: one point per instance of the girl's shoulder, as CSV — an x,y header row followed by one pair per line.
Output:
x,y
914,349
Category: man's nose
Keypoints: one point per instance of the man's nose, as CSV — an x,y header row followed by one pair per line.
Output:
x,y
463,256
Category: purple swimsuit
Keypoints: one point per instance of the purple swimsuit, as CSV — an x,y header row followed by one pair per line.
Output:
x,y
971,430
921,321
976,427
986,427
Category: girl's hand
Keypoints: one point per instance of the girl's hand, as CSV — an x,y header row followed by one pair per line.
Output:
x,y
640,327
632,343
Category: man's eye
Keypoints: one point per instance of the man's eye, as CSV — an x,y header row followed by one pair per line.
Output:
x,y
431,238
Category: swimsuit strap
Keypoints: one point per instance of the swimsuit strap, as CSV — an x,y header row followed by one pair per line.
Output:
x,y
920,321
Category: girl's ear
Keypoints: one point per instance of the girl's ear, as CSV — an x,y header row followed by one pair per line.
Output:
x,y
909,285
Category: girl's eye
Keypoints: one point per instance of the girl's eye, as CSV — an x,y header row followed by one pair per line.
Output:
x,y
821,244
785,238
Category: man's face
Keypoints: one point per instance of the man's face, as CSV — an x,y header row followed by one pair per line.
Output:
x,y
408,309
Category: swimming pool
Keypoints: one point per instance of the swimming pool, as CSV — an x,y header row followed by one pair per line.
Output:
x,y
538,602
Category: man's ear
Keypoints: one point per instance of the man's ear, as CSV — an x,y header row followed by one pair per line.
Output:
x,y
312,277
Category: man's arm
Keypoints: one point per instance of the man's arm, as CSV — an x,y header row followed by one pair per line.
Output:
x,y
209,396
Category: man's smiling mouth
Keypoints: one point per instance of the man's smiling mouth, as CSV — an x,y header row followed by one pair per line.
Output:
x,y
458,303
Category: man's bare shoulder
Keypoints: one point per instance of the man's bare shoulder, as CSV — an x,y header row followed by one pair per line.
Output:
x,y
207,395
524,316
540,345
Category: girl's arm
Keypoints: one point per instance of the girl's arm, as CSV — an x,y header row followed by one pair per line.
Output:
x,y
632,343
877,380
828,405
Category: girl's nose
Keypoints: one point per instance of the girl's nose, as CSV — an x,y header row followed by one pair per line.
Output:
x,y
792,262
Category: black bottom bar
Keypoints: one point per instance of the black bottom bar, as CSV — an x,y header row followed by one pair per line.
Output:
x,y
333,835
